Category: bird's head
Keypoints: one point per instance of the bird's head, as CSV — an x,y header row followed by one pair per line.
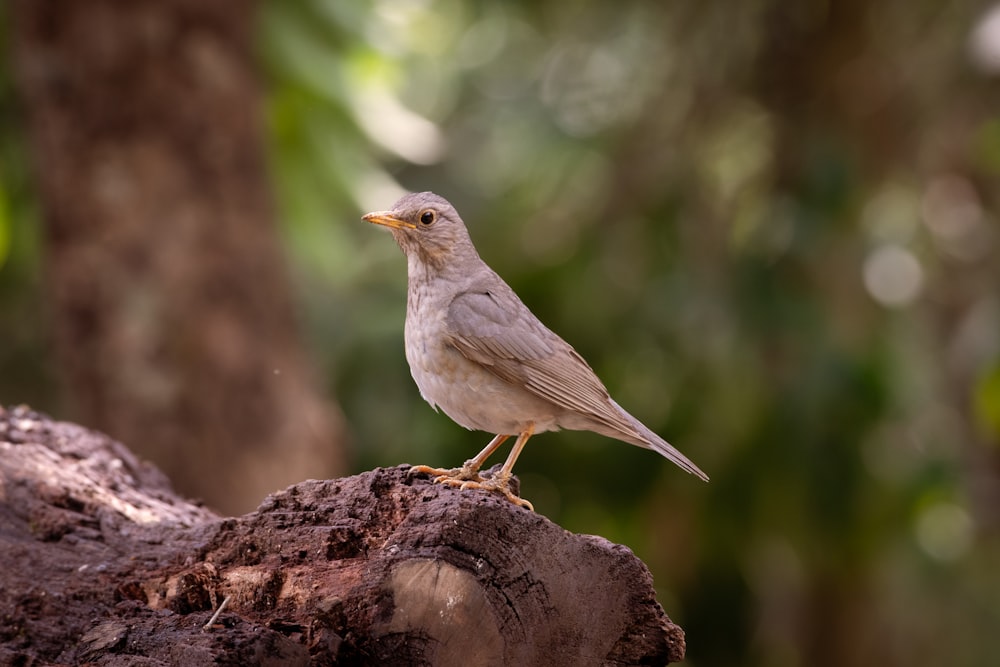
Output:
x,y
427,228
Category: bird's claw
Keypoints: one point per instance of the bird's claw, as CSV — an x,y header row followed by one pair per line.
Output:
x,y
465,478
449,476
501,484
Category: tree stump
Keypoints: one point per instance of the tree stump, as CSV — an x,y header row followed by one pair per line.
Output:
x,y
101,563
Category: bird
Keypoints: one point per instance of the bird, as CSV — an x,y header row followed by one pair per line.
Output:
x,y
477,353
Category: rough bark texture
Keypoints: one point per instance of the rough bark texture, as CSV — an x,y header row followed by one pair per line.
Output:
x,y
101,563
171,311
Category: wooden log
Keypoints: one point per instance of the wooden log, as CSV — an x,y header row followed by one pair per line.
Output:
x,y
101,563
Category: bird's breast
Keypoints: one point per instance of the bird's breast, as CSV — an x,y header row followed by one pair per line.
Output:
x,y
464,390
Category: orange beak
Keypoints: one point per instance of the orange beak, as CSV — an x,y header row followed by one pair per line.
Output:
x,y
388,219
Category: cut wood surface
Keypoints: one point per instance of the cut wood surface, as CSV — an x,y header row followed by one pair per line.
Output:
x,y
101,563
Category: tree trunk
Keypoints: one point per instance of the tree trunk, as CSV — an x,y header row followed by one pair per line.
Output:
x,y
101,563
170,306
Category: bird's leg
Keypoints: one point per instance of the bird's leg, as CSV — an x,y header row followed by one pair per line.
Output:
x,y
468,473
500,482
467,477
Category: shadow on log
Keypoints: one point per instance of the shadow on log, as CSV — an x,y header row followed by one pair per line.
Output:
x,y
101,563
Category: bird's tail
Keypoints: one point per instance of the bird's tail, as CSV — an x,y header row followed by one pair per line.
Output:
x,y
646,438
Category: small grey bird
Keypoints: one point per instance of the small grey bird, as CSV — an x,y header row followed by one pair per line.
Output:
x,y
479,354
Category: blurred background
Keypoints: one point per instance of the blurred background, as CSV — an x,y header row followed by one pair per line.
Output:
x,y
770,227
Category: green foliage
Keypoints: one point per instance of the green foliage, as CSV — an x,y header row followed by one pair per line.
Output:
x,y
25,373
988,400
5,228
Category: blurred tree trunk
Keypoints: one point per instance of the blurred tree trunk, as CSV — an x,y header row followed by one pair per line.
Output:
x,y
170,305
821,78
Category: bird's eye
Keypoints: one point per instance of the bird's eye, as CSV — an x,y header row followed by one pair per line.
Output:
x,y
427,217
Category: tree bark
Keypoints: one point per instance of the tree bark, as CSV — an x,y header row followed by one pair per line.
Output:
x,y
170,305
101,563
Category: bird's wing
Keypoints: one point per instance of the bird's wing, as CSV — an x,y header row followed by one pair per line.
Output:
x,y
494,329
488,327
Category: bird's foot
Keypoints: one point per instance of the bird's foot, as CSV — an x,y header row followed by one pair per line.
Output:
x,y
467,478
449,476
500,483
